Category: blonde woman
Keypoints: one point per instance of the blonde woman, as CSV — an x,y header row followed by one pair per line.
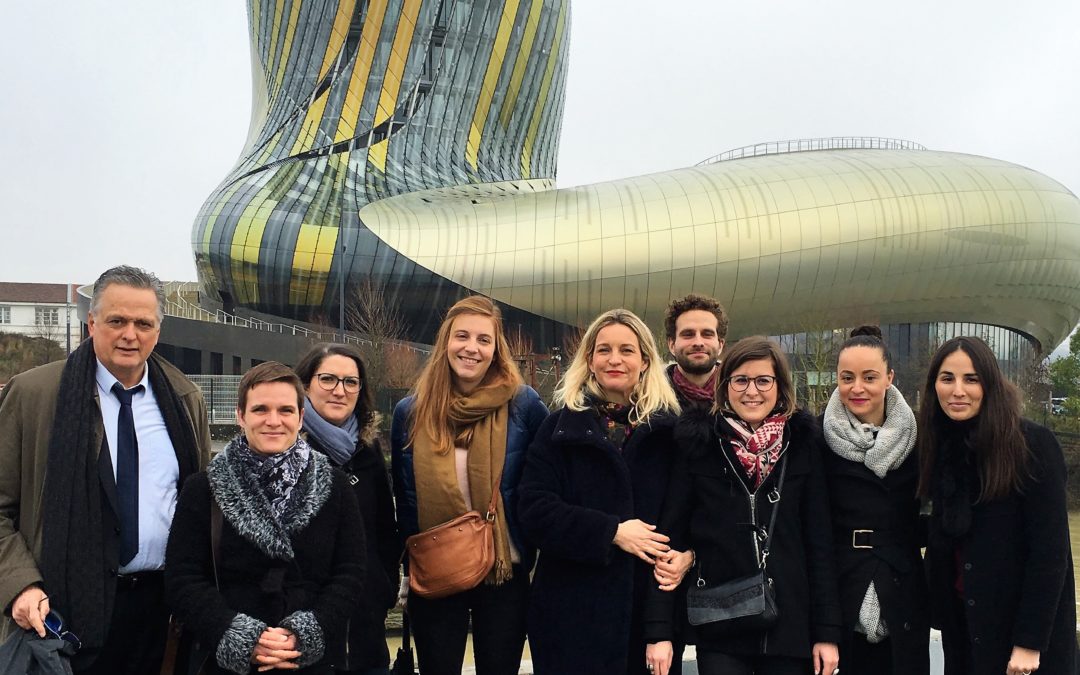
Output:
x,y
468,421
592,491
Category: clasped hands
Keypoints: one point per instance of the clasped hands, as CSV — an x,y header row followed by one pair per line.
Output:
x,y
276,649
641,539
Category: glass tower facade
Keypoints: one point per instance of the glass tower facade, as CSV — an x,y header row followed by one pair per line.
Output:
x,y
359,100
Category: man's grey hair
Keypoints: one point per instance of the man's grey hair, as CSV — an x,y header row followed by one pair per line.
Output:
x,y
125,275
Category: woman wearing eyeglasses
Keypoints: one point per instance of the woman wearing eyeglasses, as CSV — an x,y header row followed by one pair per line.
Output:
x,y
461,435
724,491
340,422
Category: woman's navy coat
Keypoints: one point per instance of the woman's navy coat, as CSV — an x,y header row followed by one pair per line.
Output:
x,y
585,607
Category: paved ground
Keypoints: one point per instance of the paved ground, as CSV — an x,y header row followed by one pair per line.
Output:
x,y
690,665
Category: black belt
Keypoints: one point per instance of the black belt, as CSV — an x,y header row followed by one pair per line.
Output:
x,y
864,539
127,582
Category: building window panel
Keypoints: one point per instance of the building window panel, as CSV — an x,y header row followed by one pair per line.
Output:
x,y
5,314
47,316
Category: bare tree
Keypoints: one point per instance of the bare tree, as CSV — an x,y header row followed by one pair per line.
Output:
x,y
403,366
571,339
52,337
521,350
815,365
380,327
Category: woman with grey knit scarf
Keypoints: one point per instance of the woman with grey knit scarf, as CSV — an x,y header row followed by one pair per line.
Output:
x,y
873,478
266,556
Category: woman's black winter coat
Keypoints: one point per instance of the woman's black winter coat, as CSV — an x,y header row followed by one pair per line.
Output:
x,y
325,576
1017,569
365,644
707,510
889,508
587,594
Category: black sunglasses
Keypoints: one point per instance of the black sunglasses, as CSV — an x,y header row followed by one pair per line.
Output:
x,y
55,626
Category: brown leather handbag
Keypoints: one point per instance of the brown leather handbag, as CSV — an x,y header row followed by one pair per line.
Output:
x,y
455,556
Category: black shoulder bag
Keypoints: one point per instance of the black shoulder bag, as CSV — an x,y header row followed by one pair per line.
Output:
x,y
745,604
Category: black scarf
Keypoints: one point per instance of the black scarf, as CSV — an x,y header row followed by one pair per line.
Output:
x,y
955,481
73,555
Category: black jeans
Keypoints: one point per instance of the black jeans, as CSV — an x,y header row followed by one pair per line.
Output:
x,y
440,628
717,663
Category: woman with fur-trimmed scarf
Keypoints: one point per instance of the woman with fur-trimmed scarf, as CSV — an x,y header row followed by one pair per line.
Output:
x,y
873,477
277,588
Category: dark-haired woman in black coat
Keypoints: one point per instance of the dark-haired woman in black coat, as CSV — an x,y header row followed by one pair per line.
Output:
x,y
276,589
873,477
725,458
340,422
998,552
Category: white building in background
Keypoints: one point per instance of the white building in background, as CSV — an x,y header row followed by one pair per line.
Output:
x,y
40,310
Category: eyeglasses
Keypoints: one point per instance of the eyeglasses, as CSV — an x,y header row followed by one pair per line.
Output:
x,y
329,382
761,382
55,625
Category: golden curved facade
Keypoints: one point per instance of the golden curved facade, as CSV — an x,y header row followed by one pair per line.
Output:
x,y
414,143
787,242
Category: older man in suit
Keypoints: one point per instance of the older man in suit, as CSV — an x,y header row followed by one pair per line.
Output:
x,y
93,451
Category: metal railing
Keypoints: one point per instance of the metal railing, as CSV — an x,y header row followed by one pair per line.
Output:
x,y
812,144
177,305
219,392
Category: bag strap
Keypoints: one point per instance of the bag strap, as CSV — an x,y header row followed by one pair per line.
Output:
x,y
216,522
490,515
776,508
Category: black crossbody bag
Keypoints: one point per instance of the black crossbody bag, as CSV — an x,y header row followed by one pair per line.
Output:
x,y
744,604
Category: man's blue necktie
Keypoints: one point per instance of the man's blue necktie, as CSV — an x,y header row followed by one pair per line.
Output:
x,y
127,474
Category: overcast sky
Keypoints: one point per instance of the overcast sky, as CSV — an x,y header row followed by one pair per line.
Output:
x,y
121,116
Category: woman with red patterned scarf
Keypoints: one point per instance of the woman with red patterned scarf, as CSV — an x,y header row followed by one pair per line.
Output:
x,y
751,454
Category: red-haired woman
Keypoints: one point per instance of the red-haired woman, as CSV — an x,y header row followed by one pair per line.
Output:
x,y
468,421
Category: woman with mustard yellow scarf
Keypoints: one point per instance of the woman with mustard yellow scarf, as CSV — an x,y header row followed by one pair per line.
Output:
x,y
459,436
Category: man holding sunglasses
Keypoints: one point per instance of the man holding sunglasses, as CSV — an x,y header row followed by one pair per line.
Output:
x,y
92,455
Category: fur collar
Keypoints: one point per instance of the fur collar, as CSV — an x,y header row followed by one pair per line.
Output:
x,y
370,433
248,510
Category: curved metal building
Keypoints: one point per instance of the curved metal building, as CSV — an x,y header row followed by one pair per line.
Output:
x,y
423,134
